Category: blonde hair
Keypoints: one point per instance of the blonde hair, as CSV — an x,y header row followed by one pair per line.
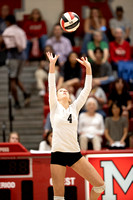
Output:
x,y
69,100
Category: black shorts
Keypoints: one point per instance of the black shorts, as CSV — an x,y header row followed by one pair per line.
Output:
x,y
65,158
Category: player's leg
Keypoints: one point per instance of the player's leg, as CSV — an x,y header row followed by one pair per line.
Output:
x,y
88,172
58,175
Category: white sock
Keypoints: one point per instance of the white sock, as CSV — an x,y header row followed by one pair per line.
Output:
x,y
58,198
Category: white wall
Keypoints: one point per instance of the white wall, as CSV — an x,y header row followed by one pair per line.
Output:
x,y
50,10
128,9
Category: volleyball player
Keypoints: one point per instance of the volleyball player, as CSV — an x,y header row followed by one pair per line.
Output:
x,y
65,147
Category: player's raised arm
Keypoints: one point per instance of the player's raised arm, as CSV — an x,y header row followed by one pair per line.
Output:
x,y
51,81
87,86
84,61
52,60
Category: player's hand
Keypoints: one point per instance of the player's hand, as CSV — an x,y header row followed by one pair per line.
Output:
x,y
52,59
84,61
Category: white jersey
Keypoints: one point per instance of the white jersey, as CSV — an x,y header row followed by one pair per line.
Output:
x,y
65,121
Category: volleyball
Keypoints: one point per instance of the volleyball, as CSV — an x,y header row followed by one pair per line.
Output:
x,y
70,21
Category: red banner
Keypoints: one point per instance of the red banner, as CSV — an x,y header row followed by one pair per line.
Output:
x,y
117,172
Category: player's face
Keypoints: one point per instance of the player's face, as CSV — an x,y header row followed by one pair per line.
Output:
x,y
14,138
62,94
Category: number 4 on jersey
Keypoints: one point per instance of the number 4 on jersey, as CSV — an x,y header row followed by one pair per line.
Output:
x,y
70,118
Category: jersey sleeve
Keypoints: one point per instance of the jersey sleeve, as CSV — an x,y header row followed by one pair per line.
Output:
x,y
80,101
52,91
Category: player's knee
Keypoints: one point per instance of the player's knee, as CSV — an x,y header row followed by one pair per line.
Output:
x,y
99,189
58,198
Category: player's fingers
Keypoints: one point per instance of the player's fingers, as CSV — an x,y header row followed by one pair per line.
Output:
x,y
80,61
57,56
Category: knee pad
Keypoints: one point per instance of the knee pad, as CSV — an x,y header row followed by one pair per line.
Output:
x,y
58,198
99,189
